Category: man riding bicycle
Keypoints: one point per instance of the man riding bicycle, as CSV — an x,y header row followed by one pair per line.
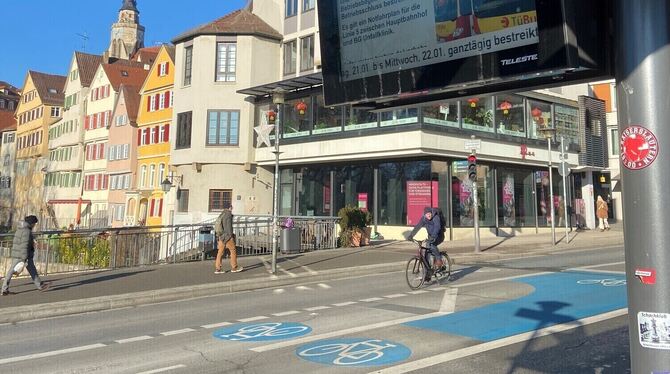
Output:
x,y
431,221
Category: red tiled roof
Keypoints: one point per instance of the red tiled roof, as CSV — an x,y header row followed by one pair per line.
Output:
x,y
87,65
49,87
146,55
125,72
239,22
7,121
132,98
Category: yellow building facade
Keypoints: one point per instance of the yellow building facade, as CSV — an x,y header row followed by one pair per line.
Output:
x,y
154,123
40,105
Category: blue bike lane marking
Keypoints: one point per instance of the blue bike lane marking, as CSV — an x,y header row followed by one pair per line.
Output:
x,y
259,332
354,352
557,298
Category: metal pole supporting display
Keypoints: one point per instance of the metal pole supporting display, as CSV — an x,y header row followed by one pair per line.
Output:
x,y
475,201
564,174
641,71
278,95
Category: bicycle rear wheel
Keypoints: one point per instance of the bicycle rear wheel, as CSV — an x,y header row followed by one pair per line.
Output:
x,y
415,273
446,268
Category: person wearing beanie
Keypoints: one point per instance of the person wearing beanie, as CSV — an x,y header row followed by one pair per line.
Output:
x,y
23,250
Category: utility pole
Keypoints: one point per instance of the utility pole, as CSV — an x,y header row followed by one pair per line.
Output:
x,y
474,144
642,65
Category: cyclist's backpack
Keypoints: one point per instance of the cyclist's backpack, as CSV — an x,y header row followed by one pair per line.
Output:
x,y
443,222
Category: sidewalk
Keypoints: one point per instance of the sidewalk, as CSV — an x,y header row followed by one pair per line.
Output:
x,y
109,289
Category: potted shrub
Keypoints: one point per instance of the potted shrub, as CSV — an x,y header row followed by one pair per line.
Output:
x,y
353,226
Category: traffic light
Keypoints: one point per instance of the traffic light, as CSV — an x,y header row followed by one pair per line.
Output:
x,y
472,167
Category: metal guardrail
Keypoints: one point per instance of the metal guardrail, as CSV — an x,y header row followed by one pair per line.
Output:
x,y
61,251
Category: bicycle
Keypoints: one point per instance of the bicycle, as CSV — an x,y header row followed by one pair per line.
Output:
x,y
418,270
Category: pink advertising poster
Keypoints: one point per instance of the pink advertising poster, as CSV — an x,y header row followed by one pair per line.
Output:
x,y
326,199
419,196
363,201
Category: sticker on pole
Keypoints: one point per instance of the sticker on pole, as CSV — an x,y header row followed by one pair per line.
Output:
x,y
354,352
639,147
646,276
256,332
654,330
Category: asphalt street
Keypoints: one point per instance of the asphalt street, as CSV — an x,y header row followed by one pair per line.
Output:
x,y
360,324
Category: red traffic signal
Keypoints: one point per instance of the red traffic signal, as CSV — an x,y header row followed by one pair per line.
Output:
x,y
472,167
472,159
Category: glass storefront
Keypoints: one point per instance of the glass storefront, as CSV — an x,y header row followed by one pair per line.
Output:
x,y
539,117
477,113
509,115
444,114
508,196
326,119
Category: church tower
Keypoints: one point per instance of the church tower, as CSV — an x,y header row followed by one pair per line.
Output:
x,y
127,33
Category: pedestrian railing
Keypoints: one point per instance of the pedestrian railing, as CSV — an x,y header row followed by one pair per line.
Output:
x,y
61,251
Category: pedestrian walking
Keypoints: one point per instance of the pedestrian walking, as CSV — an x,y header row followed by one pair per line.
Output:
x,y
602,212
223,227
23,250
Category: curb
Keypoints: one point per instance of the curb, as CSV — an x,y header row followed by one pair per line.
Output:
x,y
102,303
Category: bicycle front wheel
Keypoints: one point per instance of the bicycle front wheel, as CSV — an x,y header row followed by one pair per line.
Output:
x,y
415,273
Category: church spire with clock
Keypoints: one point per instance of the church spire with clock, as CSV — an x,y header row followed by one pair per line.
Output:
x,y
127,33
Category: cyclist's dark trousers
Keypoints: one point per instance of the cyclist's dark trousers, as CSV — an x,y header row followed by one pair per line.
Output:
x,y
434,251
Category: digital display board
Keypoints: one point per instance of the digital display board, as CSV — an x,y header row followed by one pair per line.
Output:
x,y
376,50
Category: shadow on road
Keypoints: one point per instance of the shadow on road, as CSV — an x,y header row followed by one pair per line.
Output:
x,y
56,285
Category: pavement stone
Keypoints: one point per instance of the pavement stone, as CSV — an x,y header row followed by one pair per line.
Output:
x,y
73,293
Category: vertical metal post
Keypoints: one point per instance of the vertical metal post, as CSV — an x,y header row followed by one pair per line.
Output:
x,y
565,193
641,71
551,197
375,199
475,201
275,211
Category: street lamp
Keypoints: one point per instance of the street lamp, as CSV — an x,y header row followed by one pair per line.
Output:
x,y
548,133
167,183
278,98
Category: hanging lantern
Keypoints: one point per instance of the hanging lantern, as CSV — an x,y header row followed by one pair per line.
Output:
x,y
272,117
473,102
301,107
505,106
536,112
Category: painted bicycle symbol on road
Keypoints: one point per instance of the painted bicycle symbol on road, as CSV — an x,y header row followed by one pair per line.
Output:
x,y
354,352
609,282
262,331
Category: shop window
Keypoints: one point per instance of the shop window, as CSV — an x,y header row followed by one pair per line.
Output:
x,y
567,123
353,185
462,195
313,192
394,195
399,117
327,119
443,114
516,198
296,119
509,115
356,119
477,113
544,192
539,117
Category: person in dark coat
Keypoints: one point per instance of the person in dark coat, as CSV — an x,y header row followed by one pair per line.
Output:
x,y
23,250
226,240
433,225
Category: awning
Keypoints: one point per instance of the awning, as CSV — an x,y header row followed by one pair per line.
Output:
x,y
68,201
291,85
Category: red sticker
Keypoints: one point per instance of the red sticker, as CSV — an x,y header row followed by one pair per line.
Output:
x,y
639,147
646,276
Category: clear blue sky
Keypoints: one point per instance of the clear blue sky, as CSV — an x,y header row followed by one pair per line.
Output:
x,y
41,35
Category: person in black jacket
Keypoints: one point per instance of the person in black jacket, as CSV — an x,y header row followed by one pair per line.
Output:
x,y
431,221
23,249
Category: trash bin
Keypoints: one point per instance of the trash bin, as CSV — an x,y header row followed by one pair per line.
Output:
x,y
290,240
206,239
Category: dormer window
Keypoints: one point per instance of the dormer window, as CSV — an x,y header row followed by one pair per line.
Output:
x,y
53,91
124,73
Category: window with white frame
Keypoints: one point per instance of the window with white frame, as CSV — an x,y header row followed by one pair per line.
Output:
x,y
308,5
161,105
291,8
226,59
188,62
143,176
161,173
152,175
223,127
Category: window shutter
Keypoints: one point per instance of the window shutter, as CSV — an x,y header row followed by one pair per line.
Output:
x,y
107,89
160,207
105,182
86,119
155,135
139,137
146,136
157,101
167,134
153,203
149,103
158,71
167,68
